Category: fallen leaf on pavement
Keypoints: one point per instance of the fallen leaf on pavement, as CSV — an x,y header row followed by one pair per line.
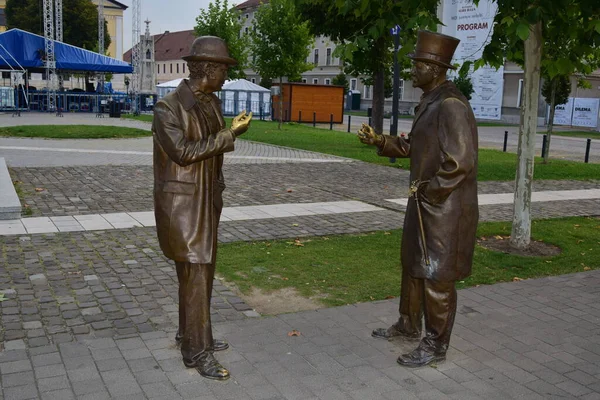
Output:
x,y
294,333
39,189
390,297
517,279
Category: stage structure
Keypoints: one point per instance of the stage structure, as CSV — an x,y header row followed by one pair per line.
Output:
x,y
101,39
136,77
50,59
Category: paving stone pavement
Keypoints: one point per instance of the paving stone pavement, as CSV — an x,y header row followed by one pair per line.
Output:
x,y
534,339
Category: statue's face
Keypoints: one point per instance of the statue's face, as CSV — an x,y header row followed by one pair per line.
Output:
x,y
423,73
218,77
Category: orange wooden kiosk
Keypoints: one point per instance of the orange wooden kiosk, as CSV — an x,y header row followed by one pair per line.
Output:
x,y
306,103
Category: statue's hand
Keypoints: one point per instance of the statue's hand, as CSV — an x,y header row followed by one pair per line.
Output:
x,y
367,135
241,123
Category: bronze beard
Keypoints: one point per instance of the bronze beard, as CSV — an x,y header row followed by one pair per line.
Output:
x,y
202,69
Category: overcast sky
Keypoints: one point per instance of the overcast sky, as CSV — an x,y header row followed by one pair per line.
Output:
x,y
171,15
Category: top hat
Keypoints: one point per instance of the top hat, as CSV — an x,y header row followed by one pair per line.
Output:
x,y
210,48
435,48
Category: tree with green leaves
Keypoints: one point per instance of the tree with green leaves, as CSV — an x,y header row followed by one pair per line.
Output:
x,y
221,20
567,33
280,42
361,30
556,91
341,80
464,83
80,21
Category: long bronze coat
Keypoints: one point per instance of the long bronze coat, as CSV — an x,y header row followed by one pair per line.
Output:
x,y
189,141
442,147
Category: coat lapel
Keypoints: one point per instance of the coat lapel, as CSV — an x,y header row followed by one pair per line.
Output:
x,y
426,101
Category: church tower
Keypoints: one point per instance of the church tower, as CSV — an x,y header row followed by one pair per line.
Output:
x,y
148,68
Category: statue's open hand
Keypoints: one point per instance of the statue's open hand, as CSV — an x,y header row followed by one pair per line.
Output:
x,y
367,135
241,123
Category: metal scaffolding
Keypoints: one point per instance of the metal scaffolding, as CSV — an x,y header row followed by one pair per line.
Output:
x,y
101,40
50,60
136,77
59,33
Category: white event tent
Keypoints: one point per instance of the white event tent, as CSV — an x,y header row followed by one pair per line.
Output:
x,y
236,96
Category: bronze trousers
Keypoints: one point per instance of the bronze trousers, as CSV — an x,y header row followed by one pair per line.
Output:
x,y
195,290
436,301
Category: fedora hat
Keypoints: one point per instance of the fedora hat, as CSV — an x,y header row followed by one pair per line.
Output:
x,y
435,48
210,48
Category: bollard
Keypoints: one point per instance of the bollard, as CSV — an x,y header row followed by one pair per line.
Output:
x,y
370,121
299,117
505,140
544,141
349,119
587,150
314,119
330,122
285,115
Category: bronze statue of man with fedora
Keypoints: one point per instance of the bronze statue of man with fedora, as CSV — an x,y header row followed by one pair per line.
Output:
x,y
190,138
441,218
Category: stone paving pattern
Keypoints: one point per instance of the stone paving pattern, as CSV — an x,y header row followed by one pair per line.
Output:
x,y
534,339
108,189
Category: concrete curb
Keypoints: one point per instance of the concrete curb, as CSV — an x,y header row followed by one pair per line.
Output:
x,y
10,205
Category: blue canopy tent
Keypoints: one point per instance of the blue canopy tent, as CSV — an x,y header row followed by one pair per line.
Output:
x,y
28,49
22,51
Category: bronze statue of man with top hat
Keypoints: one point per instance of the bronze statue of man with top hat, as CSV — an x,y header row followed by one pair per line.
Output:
x,y
441,218
190,138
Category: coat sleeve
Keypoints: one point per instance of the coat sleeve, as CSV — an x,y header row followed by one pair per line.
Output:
x,y
457,151
394,146
168,133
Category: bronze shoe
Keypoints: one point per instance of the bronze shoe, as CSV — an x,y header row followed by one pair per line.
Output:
x,y
393,331
420,357
218,344
208,367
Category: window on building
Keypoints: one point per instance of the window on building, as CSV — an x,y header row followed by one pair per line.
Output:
x,y
328,81
148,55
157,68
253,80
328,59
315,81
520,94
316,57
177,67
171,68
2,17
184,68
247,16
367,91
304,80
164,68
401,89
353,84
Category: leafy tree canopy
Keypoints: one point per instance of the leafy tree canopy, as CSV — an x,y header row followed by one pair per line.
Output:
x,y
280,41
570,32
562,89
223,21
80,21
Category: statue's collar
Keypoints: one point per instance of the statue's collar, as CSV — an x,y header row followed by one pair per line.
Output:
x,y
189,99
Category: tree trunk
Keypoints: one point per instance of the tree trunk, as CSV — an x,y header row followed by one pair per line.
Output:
x,y
378,94
280,102
550,120
520,236
378,101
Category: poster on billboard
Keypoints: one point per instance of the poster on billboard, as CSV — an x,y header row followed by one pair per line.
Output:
x,y
563,113
585,112
473,25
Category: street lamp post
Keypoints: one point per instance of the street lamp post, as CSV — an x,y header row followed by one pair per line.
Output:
x,y
395,31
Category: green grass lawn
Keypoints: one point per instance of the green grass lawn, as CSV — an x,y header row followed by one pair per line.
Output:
x,y
141,117
73,132
493,164
578,134
348,269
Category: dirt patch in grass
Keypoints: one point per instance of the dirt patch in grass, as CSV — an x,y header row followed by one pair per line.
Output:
x,y
280,301
535,249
